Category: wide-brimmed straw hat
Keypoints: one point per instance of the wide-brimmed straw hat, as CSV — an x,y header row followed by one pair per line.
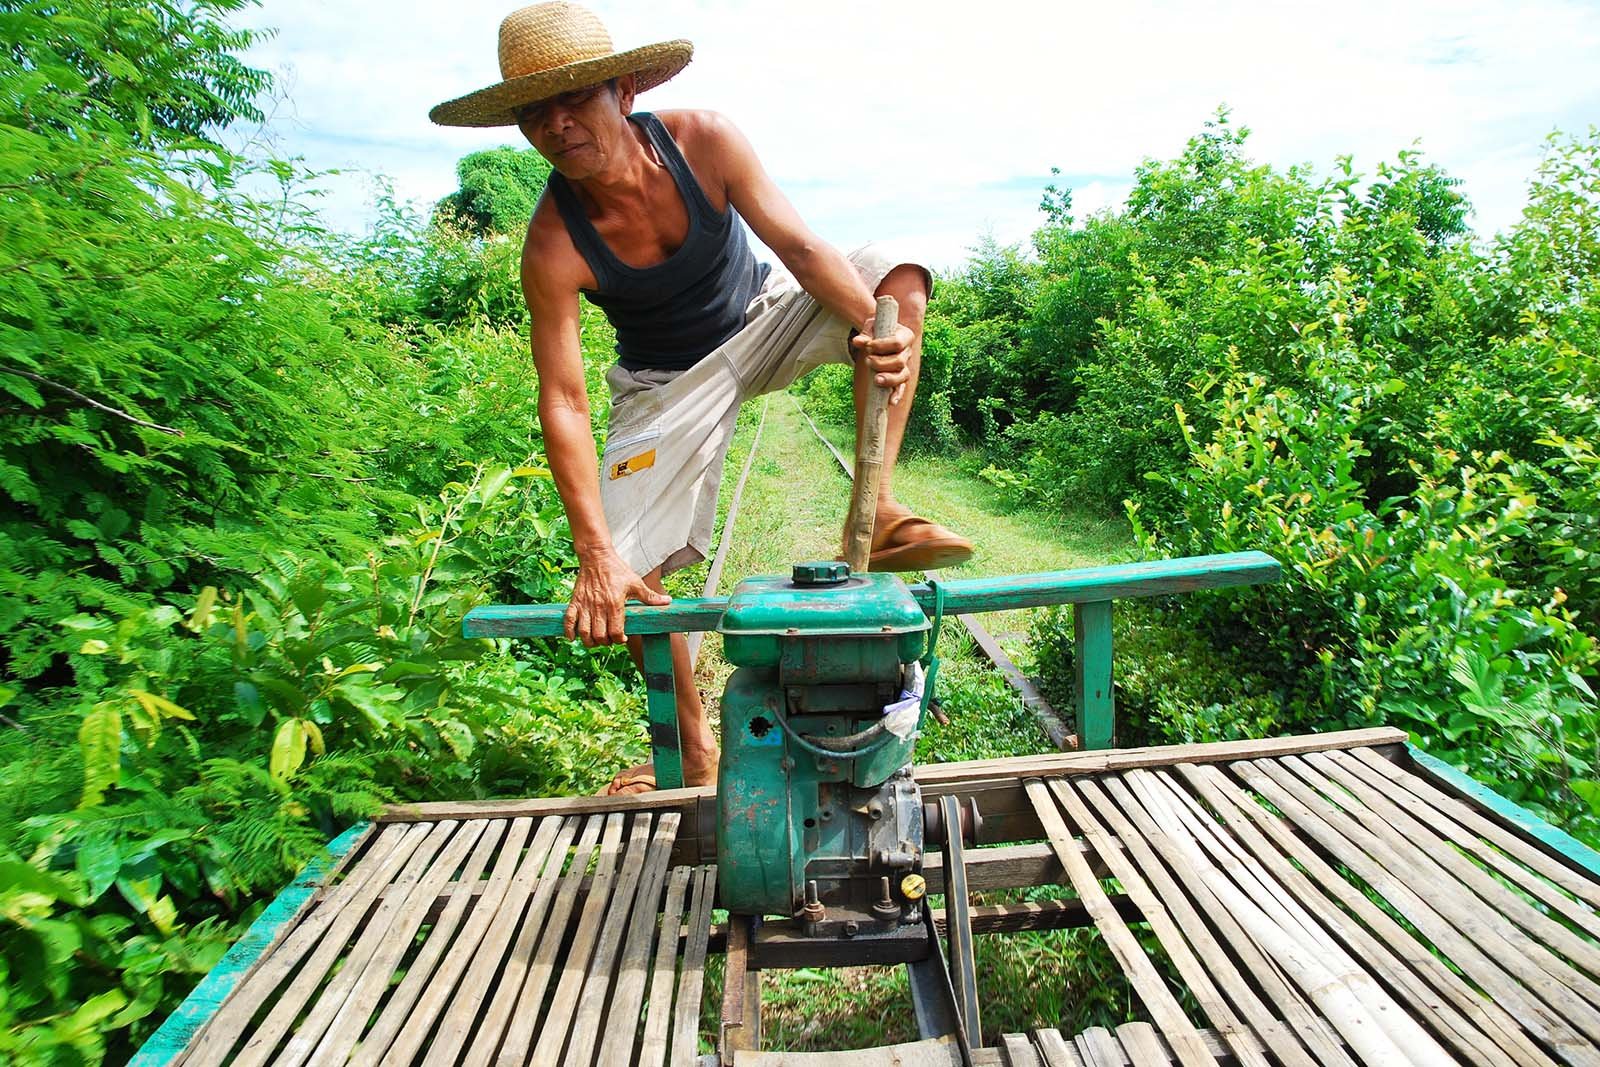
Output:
x,y
550,49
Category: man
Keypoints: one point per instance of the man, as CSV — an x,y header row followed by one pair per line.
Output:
x,y
642,215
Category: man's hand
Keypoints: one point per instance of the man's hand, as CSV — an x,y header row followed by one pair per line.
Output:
x,y
889,357
605,583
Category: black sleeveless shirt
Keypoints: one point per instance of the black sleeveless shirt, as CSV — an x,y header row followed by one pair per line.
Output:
x,y
671,315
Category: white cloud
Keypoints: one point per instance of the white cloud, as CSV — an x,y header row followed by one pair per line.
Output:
x,y
917,120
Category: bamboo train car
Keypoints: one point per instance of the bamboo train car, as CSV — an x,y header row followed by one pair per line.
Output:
x,y
1335,899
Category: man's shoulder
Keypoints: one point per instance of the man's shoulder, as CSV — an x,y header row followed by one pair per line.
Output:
x,y
548,253
696,127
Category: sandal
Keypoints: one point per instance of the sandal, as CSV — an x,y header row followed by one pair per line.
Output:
x,y
637,779
912,543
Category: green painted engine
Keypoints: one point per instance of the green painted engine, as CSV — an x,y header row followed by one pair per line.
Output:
x,y
819,816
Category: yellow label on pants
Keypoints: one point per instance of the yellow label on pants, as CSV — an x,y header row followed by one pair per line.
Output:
x,y
633,464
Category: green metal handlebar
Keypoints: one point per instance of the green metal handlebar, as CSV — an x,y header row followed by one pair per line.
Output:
x,y
1090,590
968,596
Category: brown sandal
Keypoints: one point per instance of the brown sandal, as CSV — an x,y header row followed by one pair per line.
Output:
x,y
639,779
912,543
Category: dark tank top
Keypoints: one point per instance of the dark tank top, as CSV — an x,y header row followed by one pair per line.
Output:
x,y
671,315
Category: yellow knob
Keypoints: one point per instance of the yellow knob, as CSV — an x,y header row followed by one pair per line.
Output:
x,y
913,887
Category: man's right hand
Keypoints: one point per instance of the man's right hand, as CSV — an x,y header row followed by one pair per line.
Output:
x,y
605,583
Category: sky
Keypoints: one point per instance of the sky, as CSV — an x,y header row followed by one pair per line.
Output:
x,y
936,124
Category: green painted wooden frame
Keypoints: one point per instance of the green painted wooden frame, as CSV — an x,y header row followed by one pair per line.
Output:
x,y
1090,590
174,1035
1521,819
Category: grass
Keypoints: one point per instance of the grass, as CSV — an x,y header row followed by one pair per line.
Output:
x,y
793,509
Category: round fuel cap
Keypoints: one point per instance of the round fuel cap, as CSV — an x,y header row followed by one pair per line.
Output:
x,y
912,887
821,572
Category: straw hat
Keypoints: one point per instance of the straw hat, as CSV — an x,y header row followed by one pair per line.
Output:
x,y
550,49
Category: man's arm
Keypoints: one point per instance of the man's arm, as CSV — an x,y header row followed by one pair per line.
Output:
x,y
821,269
605,581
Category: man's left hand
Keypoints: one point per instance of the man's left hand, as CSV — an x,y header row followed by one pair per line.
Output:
x,y
889,357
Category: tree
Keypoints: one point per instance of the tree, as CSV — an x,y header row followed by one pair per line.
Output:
x,y
499,188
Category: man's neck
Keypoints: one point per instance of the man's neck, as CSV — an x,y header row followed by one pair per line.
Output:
x,y
622,181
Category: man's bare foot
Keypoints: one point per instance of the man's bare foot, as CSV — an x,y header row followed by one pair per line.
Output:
x,y
641,778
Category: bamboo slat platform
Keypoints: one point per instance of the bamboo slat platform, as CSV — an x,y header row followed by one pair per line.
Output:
x,y
1334,900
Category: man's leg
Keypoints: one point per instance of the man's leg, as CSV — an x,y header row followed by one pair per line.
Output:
x,y
900,540
908,284
696,743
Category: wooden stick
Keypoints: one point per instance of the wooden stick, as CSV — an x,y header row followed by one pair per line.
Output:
x,y
637,876
436,996
1381,812
553,1026
1318,1039
522,1026
691,981
216,1040
357,1010
622,1021
869,451
1471,822
507,974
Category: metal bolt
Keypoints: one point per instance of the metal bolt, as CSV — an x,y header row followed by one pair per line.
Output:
x,y
851,928
813,912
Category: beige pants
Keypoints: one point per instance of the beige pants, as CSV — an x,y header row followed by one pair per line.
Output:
x,y
669,430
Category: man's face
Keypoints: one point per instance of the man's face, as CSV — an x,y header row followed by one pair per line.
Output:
x,y
578,132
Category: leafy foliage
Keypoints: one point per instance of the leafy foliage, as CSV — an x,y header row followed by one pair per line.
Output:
x,y
253,474
499,189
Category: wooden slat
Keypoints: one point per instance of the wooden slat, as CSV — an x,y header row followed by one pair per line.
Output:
x,y
1540,969
397,1011
1349,845
365,993
1157,999
288,1004
686,1011
1144,1049
509,973
622,1021
1159,907
1099,1048
1485,1033
1544,878
739,1029
224,1030
436,996
553,1025
354,959
644,859
487,961
1018,1051
178,1033
1055,1050
1378,814
1055,764
1376,1027
658,1007
521,1028
1302,1024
